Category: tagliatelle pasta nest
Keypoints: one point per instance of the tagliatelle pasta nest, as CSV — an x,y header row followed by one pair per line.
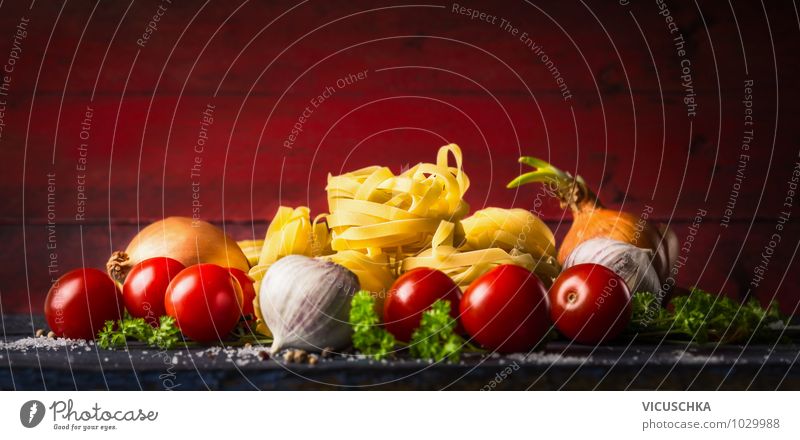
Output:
x,y
493,236
373,210
381,224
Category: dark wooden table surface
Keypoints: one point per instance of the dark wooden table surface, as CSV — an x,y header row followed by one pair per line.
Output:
x,y
82,366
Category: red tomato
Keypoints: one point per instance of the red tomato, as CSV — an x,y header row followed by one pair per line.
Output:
x,y
80,302
205,300
506,309
413,293
146,285
248,290
590,303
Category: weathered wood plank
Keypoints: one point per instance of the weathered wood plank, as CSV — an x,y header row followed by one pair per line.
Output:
x,y
557,366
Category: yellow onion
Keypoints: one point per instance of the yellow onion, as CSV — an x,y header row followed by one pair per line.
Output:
x,y
184,239
592,220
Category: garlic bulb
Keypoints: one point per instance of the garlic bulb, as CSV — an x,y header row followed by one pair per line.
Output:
x,y
306,302
631,263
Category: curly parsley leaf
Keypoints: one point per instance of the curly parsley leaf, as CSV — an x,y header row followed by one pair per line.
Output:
x,y
647,313
708,317
436,337
110,337
115,334
166,335
704,317
368,337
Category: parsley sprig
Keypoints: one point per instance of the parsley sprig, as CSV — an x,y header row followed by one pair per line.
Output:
x,y
115,334
368,337
703,317
436,337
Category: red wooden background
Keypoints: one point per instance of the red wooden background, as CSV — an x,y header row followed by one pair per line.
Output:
x,y
432,76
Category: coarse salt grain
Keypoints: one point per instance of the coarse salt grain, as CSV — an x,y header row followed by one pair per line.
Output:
x,y
32,343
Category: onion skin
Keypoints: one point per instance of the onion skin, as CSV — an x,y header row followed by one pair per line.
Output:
x,y
181,238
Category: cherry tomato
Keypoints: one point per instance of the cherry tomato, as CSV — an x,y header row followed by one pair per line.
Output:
x,y
248,290
80,302
506,309
413,293
590,303
146,285
205,300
